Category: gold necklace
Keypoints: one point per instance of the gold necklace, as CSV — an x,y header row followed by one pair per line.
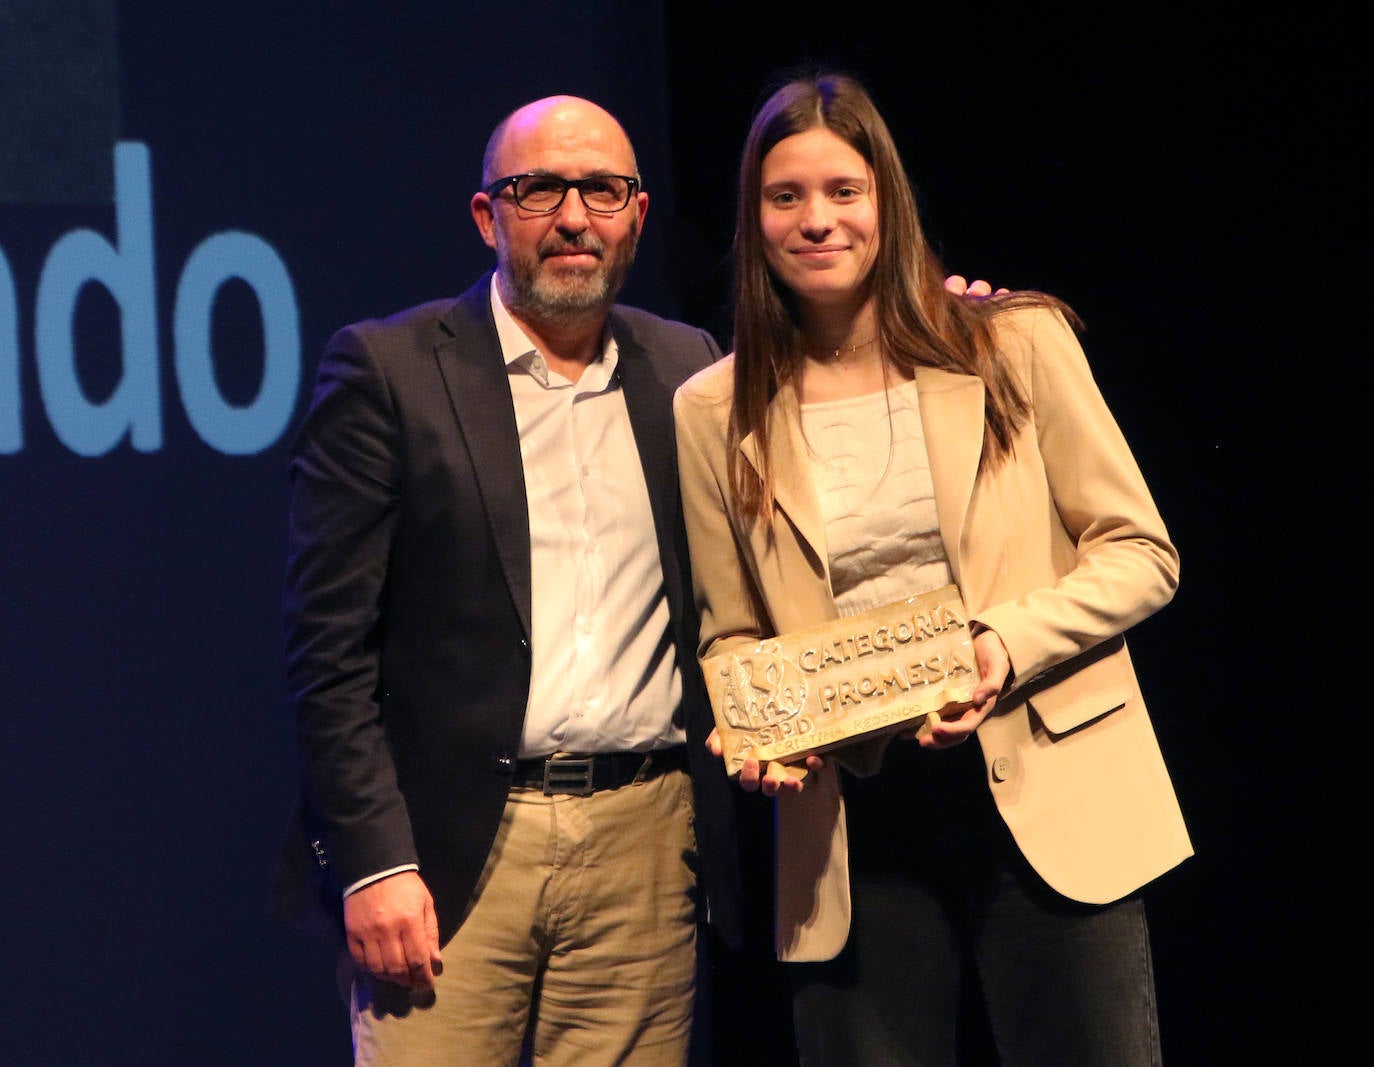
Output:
x,y
834,353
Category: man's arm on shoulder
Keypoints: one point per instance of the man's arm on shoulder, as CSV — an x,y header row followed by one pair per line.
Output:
x,y
961,286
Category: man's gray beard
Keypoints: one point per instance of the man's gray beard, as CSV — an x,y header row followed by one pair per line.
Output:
x,y
539,296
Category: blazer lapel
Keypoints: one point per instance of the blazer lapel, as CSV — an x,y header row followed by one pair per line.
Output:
x,y
474,374
952,421
649,400
788,458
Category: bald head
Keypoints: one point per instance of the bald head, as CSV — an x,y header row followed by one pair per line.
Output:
x,y
567,122
560,267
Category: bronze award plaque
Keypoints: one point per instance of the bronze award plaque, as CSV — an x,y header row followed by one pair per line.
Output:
x,y
883,671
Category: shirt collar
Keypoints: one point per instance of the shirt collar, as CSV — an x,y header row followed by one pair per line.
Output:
x,y
519,351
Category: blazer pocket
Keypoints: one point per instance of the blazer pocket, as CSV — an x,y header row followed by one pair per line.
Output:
x,y
1084,689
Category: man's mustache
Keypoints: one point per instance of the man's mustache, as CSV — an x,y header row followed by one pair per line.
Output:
x,y
581,243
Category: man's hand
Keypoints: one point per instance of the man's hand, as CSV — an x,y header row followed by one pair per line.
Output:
x,y
960,286
393,932
994,665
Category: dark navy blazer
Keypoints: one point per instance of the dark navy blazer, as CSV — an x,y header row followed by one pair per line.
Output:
x,y
407,605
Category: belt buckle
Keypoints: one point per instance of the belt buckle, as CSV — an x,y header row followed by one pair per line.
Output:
x,y
568,775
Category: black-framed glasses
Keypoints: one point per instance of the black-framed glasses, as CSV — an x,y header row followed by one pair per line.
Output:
x,y
543,193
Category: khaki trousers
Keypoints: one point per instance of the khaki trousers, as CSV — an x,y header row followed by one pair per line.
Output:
x,y
579,943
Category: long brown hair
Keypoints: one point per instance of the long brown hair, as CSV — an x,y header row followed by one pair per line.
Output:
x,y
919,322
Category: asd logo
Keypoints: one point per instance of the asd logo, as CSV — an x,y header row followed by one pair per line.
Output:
x,y
127,270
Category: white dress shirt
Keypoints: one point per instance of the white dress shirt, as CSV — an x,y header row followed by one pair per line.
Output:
x,y
604,674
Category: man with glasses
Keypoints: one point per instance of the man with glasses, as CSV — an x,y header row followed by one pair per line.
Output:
x,y
491,641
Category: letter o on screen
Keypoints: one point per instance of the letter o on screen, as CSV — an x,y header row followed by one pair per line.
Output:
x,y
11,427
232,429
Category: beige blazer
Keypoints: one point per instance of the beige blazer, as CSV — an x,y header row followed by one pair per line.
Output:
x,y
1060,550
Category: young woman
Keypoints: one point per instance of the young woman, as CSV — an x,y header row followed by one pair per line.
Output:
x,y
872,437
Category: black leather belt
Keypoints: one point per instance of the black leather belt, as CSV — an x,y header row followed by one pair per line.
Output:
x,y
584,774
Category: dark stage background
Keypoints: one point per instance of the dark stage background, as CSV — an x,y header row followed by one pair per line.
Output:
x,y
286,168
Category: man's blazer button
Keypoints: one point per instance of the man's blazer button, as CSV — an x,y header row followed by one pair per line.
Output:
x,y
1001,769
505,764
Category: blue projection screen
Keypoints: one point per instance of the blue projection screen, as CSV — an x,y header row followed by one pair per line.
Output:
x,y
193,197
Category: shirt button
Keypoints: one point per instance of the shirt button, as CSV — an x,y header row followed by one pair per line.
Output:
x,y
1001,768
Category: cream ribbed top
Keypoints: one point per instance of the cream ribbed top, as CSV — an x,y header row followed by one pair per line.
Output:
x,y
872,477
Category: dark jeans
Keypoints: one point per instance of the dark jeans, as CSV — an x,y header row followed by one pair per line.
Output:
x,y
944,907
